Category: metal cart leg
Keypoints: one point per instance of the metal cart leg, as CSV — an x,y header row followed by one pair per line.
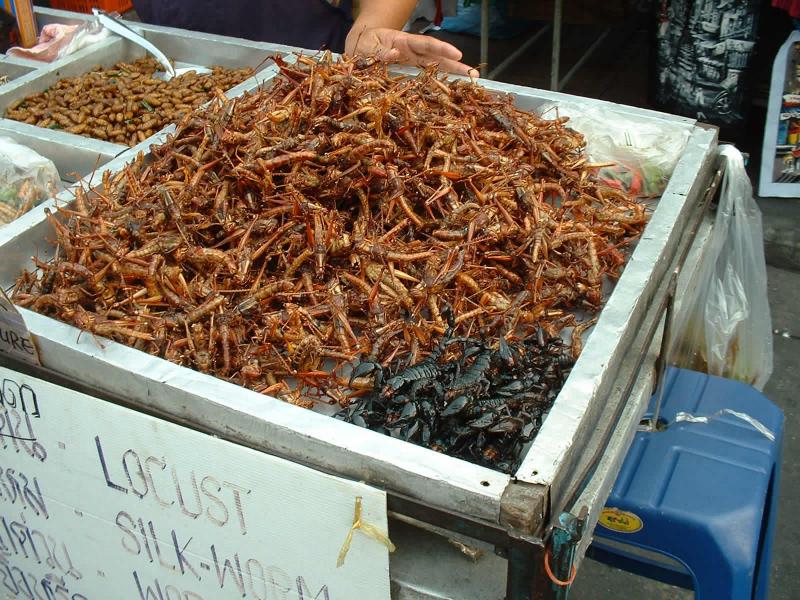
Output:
x,y
484,38
586,55
555,57
556,82
525,577
511,58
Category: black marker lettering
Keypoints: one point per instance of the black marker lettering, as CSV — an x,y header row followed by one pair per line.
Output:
x,y
148,593
196,492
129,541
179,552
10,393
208,484
227,567
34,499
255,579
281,583
142,531
150,481
167,565
303,592
237,502
109,483
138,473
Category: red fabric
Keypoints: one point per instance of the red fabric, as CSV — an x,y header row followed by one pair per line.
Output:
x,y
791,6
437,20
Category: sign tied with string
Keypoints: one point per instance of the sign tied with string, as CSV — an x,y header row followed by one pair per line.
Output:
x,y
367,529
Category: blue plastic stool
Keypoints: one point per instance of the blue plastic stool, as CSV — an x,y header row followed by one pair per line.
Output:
x,y
696,503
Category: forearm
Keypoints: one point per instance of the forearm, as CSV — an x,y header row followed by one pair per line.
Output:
x,y
377,32
392,14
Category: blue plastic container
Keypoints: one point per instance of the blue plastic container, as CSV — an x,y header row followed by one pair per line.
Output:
x,y
694,505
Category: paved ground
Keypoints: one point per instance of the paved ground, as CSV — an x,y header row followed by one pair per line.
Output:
x,y
781,231
598,582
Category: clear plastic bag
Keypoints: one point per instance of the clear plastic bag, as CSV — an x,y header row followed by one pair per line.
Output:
x,y
57,40
26,179
723,325
644,152
87,34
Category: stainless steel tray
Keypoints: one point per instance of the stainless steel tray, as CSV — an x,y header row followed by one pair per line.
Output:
x,y
204,402
74,157
187,48
12,67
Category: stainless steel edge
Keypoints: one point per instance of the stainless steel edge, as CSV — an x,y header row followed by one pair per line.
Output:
x,y
207,49
266,423
46,16
533,99
597,491
256,81
576,409
71,154
22,62
175,42
12,69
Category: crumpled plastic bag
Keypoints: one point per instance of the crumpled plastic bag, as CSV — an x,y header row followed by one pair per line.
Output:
x,y
26,179
644,152
723,325
57,41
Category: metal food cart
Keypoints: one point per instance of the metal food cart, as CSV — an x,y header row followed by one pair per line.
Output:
x,y
442,510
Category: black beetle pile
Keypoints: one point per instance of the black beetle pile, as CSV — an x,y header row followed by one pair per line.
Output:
x,y
470,399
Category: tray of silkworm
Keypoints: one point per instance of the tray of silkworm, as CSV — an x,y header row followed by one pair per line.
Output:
x,y
396,276
112,91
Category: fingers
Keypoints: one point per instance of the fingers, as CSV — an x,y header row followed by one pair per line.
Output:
x,y
391,46
455,67
423,51
388,55
431,47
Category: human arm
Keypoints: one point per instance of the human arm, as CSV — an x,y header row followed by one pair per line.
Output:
x,y
377,32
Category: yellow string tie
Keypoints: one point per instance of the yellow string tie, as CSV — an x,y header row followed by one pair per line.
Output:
x,y
369,530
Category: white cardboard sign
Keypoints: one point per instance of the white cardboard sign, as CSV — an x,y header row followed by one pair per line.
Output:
x,y
15,339
99,502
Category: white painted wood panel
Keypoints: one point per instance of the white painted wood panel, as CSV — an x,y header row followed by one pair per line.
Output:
x,y
101,502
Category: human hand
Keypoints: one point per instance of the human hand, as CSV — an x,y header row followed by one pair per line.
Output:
x,y
393,46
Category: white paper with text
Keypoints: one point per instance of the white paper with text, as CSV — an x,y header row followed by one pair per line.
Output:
x,y
15,339
98,501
